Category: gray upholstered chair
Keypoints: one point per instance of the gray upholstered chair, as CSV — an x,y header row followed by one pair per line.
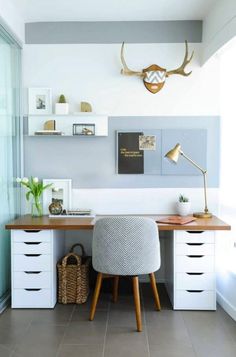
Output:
x,y
125,246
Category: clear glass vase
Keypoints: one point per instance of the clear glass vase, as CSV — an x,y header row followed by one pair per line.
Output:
x,y
36,208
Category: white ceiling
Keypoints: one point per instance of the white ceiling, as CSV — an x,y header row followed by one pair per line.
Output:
x,y
112,10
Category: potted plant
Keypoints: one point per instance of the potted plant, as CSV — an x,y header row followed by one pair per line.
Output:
x,y
62,107
36,189
183,205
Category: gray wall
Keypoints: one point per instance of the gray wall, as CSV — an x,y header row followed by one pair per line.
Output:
x,y
113,32
91,161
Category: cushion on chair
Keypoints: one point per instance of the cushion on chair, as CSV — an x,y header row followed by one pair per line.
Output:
x,y
126,246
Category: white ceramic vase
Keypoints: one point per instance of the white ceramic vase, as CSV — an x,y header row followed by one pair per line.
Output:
x,y
183,208
62,108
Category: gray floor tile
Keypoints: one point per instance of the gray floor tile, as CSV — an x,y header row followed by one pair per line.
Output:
x,y
158,334
10,335
122,318
60,315
5,351
81,351
172,350
40,340
103,303
83,316
85,333
125,335
165,318
126,350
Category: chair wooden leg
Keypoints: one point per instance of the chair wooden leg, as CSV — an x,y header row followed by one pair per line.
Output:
x,y
95,296
137,303
155,291
115,288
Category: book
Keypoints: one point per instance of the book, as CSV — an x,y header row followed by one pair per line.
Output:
x,y
176,220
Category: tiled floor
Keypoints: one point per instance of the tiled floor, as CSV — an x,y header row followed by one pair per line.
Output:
x,y
66,331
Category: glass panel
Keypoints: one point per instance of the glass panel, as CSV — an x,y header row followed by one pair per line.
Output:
x,y
9,149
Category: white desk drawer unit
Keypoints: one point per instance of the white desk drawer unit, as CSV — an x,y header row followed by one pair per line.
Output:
x,y
34,257
194,270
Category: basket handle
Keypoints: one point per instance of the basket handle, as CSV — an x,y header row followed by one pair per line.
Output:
x,y
78,245
64,260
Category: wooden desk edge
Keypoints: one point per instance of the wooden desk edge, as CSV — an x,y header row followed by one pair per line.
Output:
x,y
28,223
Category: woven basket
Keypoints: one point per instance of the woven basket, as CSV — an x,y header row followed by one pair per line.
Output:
x,y
73,277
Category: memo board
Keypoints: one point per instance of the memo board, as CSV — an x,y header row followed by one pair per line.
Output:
x,y
139,152
142,152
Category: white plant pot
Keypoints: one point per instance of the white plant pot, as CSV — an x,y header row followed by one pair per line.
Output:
x,y
62,108
183,208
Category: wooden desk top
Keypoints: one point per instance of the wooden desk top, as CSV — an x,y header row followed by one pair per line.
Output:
x,y
29,223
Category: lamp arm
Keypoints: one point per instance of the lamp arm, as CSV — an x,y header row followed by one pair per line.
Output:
x,y
204,172
193,163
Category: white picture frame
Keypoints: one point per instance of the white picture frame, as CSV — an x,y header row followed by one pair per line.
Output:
x,y
61,194
39,101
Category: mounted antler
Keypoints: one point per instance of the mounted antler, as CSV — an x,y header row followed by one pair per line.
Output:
x,y
181,69
126,71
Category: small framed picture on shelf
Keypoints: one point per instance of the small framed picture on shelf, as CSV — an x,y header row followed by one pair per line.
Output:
x,y
39,101
84,129
59,192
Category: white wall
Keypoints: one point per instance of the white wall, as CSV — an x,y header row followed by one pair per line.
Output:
x,y
219,27
226,242
12,18
92,73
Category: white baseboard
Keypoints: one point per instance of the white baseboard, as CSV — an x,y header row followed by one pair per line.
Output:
x,y
226,305
5,302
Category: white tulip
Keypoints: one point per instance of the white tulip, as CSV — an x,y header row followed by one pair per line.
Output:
x,y
35,180
18,180
25,180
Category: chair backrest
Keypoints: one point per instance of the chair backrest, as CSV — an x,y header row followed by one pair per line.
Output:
x,y
126,246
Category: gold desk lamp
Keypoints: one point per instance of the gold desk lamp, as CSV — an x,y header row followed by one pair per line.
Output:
x,y
173,156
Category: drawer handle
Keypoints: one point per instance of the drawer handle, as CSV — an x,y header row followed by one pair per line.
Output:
x,y
30,289
32,255
195,273
194,291
194,232
194,243
32,231
32,272
32,243
195,256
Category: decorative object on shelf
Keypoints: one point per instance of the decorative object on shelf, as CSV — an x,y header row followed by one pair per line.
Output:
x,y
49,128
55,208
39,101
183,205
62,107
60,192
36,188
49,125
84,129
154,76
173,156
85,107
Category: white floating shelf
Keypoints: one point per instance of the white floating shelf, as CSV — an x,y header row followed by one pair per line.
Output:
x,y
64,123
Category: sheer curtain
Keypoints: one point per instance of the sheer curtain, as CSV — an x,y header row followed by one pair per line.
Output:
x,y
9,150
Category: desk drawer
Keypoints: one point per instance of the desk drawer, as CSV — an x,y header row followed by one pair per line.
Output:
x,y
29,279
31,262
191,281
194,264
194,236
195,249
31,236
38,298
33,247
195,300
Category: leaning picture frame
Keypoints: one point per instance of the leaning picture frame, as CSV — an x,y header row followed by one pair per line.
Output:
x,y
60,191
39,101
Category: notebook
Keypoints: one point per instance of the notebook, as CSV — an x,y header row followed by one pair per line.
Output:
x,y
176,220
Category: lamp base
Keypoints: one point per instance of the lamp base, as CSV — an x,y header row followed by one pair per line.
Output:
x,y
202,215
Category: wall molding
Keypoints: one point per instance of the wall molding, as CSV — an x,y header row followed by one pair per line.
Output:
x,y
226,305
70,32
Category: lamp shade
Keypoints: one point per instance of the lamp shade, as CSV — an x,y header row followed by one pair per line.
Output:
x,y
173,154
